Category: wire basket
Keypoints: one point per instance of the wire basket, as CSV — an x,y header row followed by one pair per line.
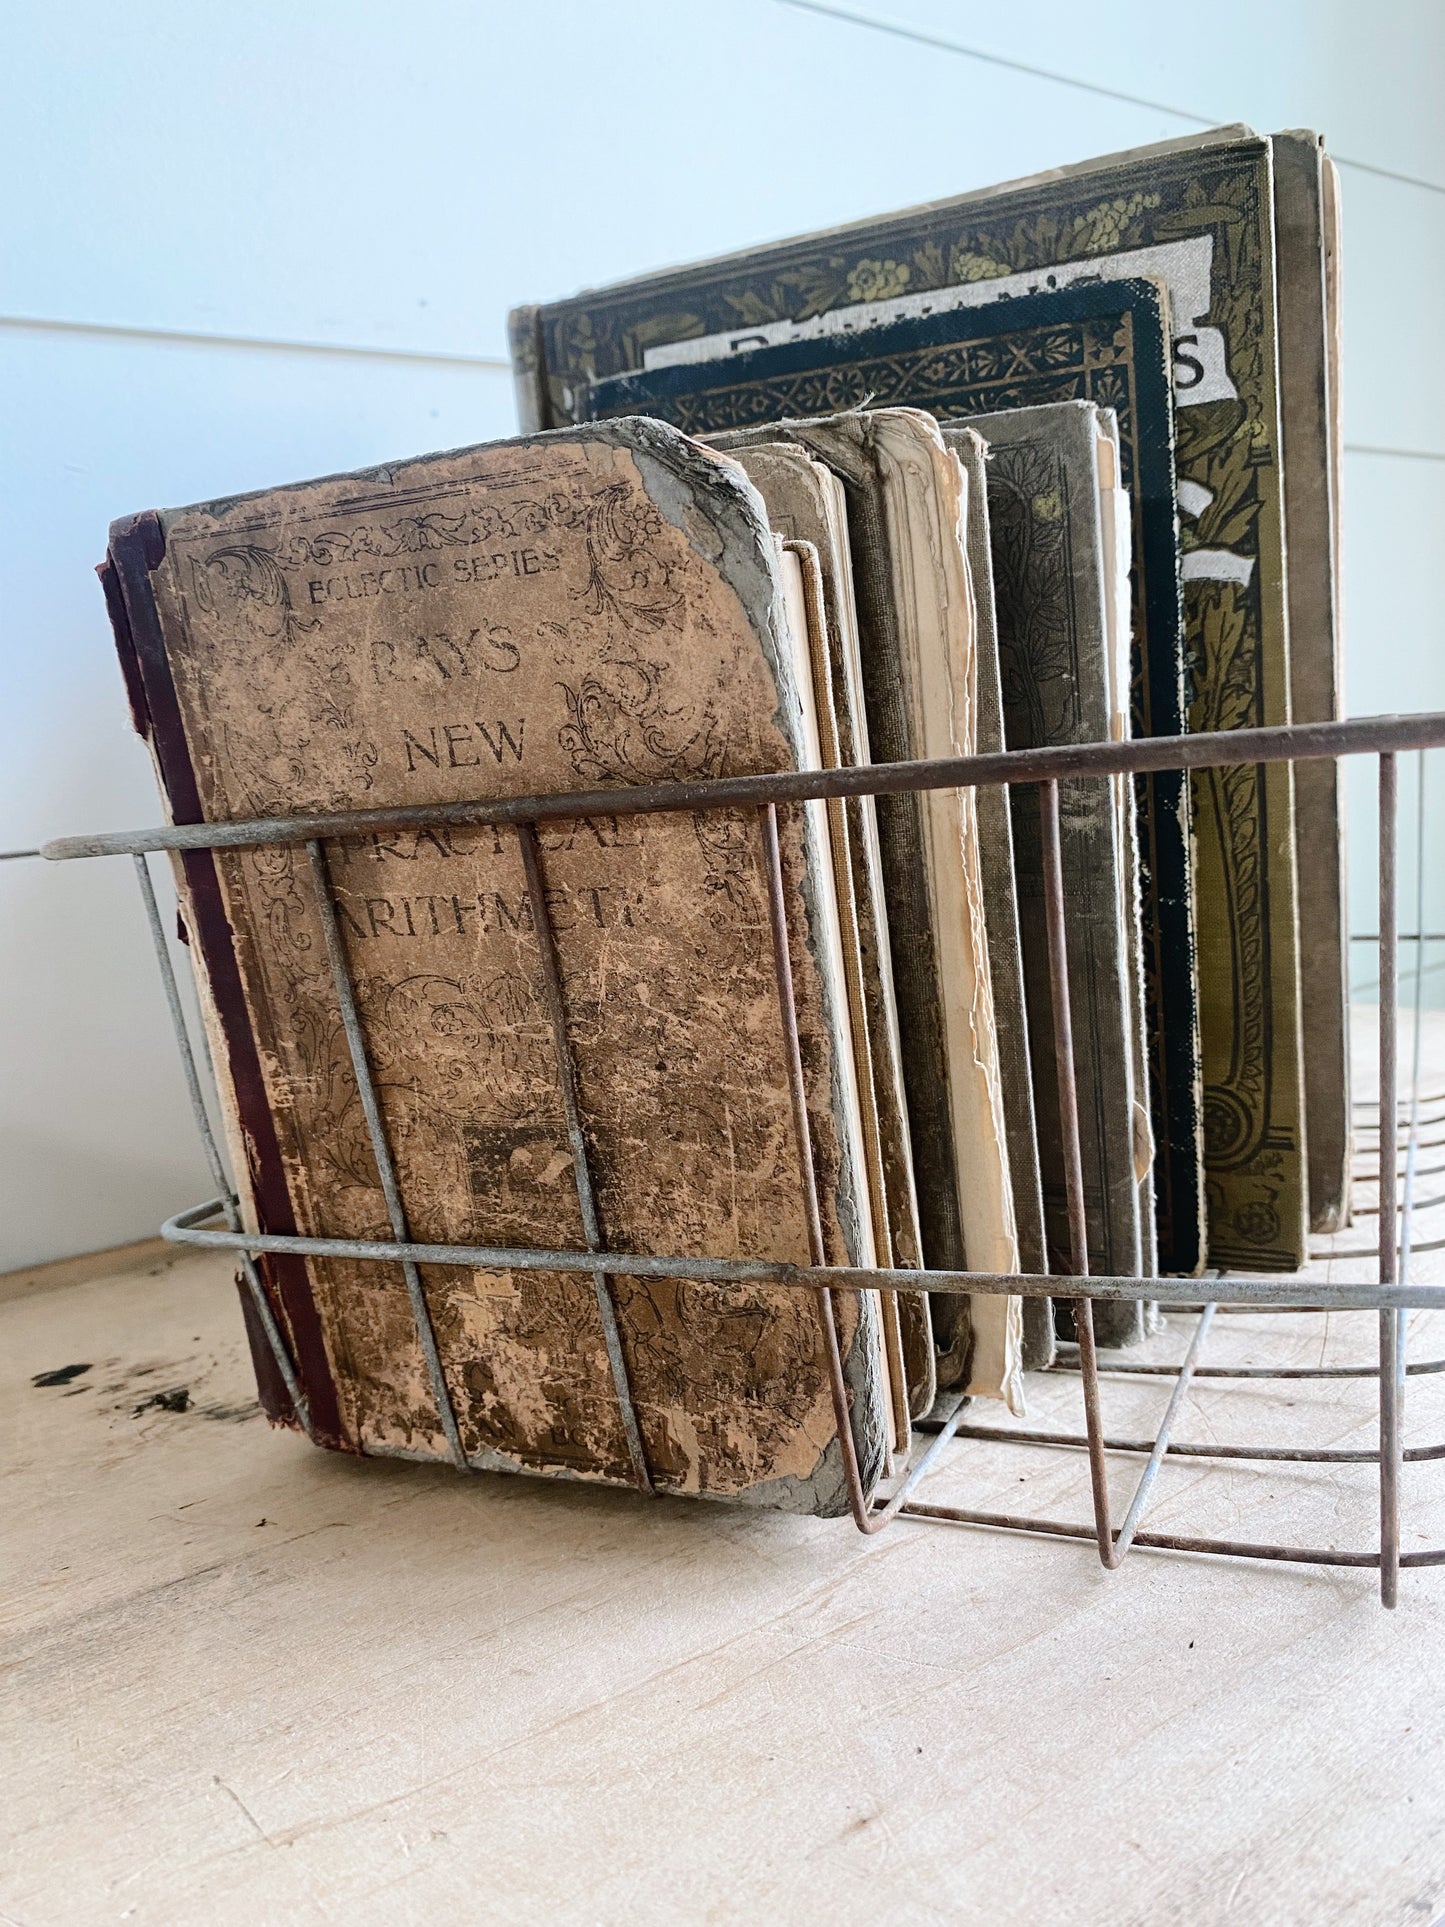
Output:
x,y
1391,1296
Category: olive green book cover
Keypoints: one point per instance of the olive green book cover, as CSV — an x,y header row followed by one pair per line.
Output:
x,y
1197,215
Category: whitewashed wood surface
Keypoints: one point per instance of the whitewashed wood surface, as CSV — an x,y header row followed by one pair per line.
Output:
x,y
245,1681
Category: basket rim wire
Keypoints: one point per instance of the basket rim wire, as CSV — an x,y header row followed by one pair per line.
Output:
x,y
1391,1296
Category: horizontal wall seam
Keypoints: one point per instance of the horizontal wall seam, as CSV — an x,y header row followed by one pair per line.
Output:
x,y
48,324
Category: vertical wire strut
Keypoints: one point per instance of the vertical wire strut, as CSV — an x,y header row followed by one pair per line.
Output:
x,y
1417,1038
581,1167
797,1091
1159,1450
1073,1159
274,1336
1412,1135
1390,1321
381,1150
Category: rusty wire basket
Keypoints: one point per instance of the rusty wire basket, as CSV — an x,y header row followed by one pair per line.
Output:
x,y
1391,1296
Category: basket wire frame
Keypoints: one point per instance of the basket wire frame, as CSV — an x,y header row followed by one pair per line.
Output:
x,y
1391,1297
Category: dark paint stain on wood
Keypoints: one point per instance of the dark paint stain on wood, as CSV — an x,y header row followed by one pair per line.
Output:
x,y
177,1400
62,1375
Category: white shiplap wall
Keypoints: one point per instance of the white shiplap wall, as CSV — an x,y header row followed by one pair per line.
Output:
x,y
369,177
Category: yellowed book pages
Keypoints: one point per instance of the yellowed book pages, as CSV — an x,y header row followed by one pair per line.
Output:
x,y
806,503
907,497
1001,909
803,597
925,494
1114,523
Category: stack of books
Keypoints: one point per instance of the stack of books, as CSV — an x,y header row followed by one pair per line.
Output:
x,y
1055,463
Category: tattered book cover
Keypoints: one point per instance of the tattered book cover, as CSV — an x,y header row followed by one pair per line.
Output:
x,y
589,609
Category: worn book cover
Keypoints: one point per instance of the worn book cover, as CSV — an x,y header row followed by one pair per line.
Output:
x,y
808,632
1198,215
1049,472
1108,343
907,505
1306,224
1000,904
807,507
590,609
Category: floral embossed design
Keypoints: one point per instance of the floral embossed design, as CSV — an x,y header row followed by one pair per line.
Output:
x,y
246,583
493,1025
243,599
1236,1106
415,533
796,294
1257,1223
1031,574
622,729
878,280
726,841
972,264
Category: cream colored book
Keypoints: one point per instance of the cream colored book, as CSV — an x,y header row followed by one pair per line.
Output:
x,y
807,625
1114,523
907,507
806,504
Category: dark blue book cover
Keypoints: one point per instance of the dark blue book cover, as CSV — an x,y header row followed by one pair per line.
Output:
x,y
1105,342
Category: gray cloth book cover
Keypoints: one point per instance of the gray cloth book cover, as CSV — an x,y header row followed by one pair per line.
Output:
x,y
1053,550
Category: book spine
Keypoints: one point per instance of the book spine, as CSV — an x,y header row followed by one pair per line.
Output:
x,y
1311,458
529,373
137,546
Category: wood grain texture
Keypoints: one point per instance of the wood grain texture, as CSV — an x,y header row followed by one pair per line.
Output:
x,y
407,1695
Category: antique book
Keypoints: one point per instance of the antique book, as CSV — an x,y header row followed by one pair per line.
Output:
x,y
1000,906
1198,215
1306,215
806,505
1115,519
907,511
582,611
1055,521
802,594
802,581
1105,342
